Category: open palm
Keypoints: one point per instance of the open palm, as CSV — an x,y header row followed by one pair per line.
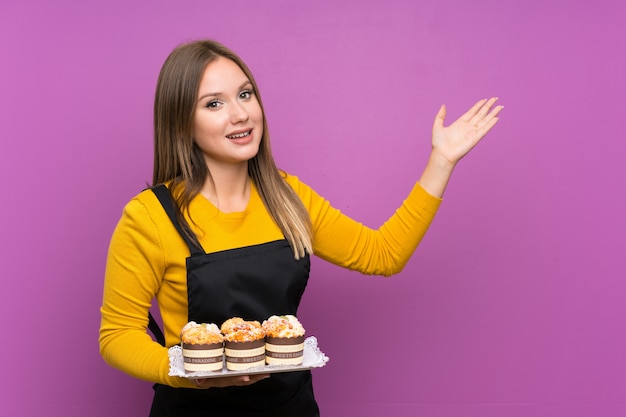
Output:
x,y
454,141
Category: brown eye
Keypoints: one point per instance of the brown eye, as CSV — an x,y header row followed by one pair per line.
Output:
x,y
245,94
213,104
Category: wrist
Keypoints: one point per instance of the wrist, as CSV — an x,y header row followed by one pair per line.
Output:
x,y
438,162
436,175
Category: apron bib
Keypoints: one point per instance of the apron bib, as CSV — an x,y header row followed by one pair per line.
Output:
x,y
252,282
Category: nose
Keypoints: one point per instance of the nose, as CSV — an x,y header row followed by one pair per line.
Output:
x,y
238,112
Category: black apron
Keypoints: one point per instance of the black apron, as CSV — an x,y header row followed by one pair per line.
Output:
x,y
253,283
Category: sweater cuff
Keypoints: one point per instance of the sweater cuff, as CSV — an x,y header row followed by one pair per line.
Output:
x,y
419,197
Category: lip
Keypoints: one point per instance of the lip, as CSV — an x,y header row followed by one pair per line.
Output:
x,y
242,140
239,132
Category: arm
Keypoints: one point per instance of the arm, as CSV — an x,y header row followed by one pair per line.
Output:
x,y
347,243
386,250
134,270
450,144
142,247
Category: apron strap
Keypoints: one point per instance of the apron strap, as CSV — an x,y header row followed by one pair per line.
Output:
x,y
165,198
155,329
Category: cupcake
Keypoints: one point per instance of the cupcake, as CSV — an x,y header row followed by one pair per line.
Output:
x,y
203,347
244,343
284,340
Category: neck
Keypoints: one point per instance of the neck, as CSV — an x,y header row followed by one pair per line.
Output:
x,y
228,188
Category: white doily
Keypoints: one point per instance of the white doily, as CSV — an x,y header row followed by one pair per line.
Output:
x,y
312,357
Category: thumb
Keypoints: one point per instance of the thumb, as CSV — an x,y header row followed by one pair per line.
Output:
x,y
440,117
199,381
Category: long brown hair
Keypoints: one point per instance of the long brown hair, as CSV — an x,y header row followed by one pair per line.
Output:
x,y
179,161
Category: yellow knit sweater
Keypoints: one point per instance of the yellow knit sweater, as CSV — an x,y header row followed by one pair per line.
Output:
x,y
146,260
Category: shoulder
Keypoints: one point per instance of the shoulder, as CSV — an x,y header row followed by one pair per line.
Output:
x,y
145,208
146,198
294,182
309,197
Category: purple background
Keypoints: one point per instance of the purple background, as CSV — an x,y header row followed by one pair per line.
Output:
x,y
512,306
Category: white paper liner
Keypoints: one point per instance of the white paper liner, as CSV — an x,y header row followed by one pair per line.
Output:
x,y
312,357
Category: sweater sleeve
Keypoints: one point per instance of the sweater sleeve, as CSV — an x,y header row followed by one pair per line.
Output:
x,y
134,270
384,251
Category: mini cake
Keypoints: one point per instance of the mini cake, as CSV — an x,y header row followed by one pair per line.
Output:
x,y
203,347
244,344
284,340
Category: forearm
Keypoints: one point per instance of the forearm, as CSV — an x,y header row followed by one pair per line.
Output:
x,y
384,251
436,175
124,341
133,352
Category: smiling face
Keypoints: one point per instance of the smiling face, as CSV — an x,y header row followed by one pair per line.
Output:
x,y
228,120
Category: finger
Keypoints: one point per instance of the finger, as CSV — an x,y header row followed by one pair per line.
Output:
x,y
200,382
496,111
258,378
484,110
473,110
487,106
251,379
492,114
482,130
440,116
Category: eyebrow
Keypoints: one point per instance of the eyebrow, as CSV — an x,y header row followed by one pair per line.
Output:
x,y
217,94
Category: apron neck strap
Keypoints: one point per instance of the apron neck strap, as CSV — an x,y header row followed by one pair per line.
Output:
x,y
165,198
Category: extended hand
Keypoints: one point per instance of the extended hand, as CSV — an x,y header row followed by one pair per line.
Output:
x,y
453,142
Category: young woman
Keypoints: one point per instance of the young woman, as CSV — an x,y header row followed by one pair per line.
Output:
x,y
239,233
